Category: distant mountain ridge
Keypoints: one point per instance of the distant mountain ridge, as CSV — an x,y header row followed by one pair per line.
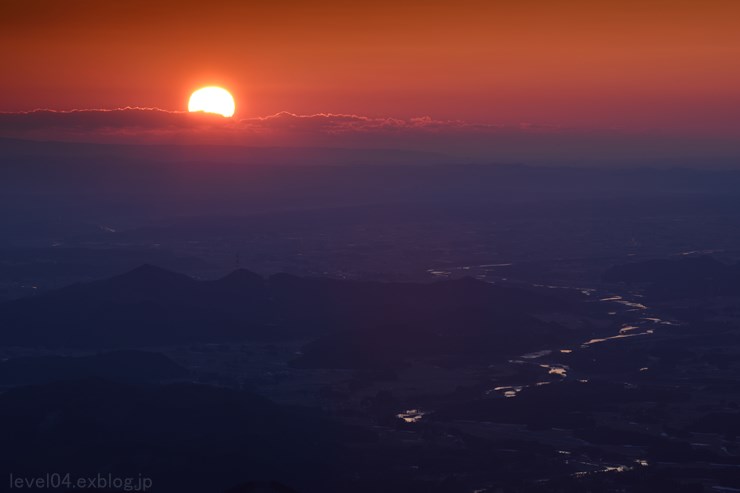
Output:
x,y
61,151
151,306
187,437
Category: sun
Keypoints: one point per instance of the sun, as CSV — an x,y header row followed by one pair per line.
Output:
x,y
212,100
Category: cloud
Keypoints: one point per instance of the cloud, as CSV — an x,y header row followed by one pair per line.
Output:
x,y
101,120
340,123
132,121
151,125
464,140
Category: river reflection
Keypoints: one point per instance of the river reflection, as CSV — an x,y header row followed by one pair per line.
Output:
x,y
638,327
411,415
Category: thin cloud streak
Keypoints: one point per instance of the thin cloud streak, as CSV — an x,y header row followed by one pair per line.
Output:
x,y
156,118
468,141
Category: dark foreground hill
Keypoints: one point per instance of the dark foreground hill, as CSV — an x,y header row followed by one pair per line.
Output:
x,y
183,437
353,323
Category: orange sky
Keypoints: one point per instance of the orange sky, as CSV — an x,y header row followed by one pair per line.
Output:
x,y
671,66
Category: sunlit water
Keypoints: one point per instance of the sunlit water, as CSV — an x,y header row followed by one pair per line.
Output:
x,y
641,326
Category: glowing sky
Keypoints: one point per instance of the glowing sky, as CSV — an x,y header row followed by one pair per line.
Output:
x,y
639,66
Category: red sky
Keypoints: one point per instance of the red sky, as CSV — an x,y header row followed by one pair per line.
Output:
x,y
668,67
575,62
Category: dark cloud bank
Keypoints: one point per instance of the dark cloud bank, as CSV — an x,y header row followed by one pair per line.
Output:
x,y
459,141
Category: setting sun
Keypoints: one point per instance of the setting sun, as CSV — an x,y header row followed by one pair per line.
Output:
x,y
212,100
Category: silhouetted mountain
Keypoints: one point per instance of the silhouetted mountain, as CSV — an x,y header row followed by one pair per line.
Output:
x,y
65,262
688,277
150,306
147,306
120,366
243,280
460,335
184,437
